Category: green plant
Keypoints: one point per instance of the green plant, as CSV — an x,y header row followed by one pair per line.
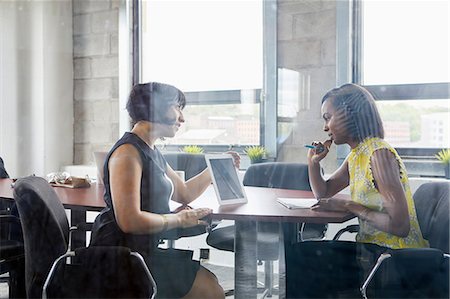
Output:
x,y
192,149
255,153
444,156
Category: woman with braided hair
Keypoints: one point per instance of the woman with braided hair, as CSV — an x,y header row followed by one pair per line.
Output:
x,y
380,196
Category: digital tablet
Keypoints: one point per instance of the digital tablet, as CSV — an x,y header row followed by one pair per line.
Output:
x,y
228,187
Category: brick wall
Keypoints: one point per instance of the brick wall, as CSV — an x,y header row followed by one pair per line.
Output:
x,y
307,44
95,49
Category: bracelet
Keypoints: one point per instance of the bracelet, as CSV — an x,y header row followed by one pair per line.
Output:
x,y
364,213
165,222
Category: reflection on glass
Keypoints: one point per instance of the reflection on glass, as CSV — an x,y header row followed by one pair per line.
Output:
x,y
418,123
219,124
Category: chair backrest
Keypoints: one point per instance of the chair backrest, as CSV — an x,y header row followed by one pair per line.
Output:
x,y
99,158
3,173
45,229
432,208
283,175
191,164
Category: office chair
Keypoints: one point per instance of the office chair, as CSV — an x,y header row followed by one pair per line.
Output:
x,y
272,175
12,258
11,245
422,272
105,272
3,173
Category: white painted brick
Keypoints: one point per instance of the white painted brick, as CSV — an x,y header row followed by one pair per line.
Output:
x,y
100,132
115,111
328,51
295,54
88,45
115,4
285,27
82,153
83,111
82,68
115,132
114,43
82,24
115,88
87,6
328,4
106,21
94,89
297,6
105,67
317,25
102,111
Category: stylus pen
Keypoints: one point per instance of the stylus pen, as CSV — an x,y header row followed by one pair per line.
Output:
x,y
318,149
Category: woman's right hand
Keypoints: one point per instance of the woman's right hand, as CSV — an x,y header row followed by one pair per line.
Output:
x,y
315,155
191,217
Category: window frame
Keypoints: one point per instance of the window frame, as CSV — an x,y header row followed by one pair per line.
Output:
x,y
393,92
266,97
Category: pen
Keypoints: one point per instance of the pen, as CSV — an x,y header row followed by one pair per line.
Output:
x,y
310,146
318,149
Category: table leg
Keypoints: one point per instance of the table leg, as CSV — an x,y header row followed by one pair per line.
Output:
x,y
78,237
245,260
281,266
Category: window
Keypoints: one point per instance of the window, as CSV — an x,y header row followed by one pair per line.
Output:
x,y
401,54
214,51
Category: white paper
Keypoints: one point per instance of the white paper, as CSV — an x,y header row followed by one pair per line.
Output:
x,y
297,202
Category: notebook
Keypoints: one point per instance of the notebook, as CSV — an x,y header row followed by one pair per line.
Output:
x,y
297,203
228,187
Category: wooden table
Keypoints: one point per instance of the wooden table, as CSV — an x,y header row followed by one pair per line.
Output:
x,y
261,206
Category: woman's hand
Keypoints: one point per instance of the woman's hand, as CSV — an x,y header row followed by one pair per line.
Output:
x,y
236,158
320,151
191,217
332,204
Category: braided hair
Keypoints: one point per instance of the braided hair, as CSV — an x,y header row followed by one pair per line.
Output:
x,y
362,119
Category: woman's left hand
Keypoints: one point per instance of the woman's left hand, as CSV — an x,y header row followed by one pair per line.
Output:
x,y
332,204
236,158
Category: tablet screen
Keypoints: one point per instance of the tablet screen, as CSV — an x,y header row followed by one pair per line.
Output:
x,y
225,179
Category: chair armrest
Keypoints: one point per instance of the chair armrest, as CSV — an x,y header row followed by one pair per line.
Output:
x,y
354,228
116,252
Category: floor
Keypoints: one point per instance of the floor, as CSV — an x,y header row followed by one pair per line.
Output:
x,y
224,274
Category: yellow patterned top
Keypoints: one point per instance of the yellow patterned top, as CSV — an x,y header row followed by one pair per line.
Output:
x,y
363,191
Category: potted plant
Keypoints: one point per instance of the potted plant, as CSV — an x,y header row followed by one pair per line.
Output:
x,y
192,149
256,153
444,157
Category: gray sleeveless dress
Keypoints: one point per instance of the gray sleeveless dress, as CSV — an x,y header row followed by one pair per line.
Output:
x,y
173,270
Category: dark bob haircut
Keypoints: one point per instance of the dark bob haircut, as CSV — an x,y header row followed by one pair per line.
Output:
x,y
361,113
151,101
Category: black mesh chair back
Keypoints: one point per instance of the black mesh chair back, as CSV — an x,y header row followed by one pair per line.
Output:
x,y
45,229
418,272
278,175
3,173
94,272
191,164
432,208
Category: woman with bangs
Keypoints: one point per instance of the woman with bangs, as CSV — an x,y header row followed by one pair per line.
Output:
x,y
380,197
138,186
